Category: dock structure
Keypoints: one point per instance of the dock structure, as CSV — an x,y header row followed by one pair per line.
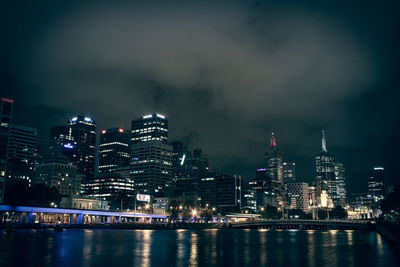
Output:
x,y
30,215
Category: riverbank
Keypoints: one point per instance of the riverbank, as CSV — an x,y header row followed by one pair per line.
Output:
x,y
126,226
391,232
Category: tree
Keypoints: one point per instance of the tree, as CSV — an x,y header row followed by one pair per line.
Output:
x,y
391,206
338,212
270,212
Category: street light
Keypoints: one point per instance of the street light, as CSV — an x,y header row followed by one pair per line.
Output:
x,y
194,213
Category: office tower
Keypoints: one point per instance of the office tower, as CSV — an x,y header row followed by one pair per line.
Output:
x,y
77,141
114,150
273,160
325,174
6,112
109,186
289,172
151,155
376,179
340,181
263,186
250,200
60,173
298,193
22,154
221,190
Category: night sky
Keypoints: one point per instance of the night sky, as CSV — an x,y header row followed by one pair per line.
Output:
x,y
228,74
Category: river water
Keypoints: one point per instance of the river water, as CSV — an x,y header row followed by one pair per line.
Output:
x,y
195,248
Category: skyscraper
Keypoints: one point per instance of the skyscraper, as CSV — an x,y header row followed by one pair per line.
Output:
x,y
273,160
376,179
340,180
6,112
114,149
289,172
151,154
325,174
77,141
22,154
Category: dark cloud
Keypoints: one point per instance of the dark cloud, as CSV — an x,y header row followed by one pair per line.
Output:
x,y
228,73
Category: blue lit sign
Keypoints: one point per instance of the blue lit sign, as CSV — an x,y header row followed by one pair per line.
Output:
x,y
68,146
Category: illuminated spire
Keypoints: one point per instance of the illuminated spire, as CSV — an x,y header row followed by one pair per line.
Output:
x,y
324,142
272,140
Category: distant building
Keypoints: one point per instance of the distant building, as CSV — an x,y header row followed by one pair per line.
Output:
x,y
376,179
299,192
249,200
289,172
221,190
114,150
117,190
6,113
84,203
340,197
151,154
273,160
60,173
77,141
22,154
325,171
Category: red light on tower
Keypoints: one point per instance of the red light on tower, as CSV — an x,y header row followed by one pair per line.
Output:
x,y
7,100
121,130
103,132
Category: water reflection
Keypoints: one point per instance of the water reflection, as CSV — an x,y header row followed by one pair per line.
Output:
x,y
195,248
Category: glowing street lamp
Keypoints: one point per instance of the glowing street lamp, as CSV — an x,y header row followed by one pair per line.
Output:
x,y
194,213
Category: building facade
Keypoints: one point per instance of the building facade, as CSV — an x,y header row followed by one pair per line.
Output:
x,y
151,154
325,171
376,189
22,154
6,112
77,141
60,173
289,172
118,191
114,150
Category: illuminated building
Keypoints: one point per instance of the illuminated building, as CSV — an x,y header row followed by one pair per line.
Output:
x,y
60,173
340,197
119,191
299,192
77,141
114,150
325,172
376,179
151,155
153,127
250,200
6,112
273,160
22,154
84,203
289,172
221,190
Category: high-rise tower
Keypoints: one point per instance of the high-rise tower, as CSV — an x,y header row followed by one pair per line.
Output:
x,y
151,154
273,160
114,150
325,172
77,141
6,112
376,180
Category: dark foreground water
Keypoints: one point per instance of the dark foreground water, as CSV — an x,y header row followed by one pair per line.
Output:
x,y
195,248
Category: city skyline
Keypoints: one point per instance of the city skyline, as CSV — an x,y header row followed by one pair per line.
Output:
x,y
230,73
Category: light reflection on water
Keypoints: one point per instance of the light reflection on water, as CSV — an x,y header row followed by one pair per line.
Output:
x,y
195,248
